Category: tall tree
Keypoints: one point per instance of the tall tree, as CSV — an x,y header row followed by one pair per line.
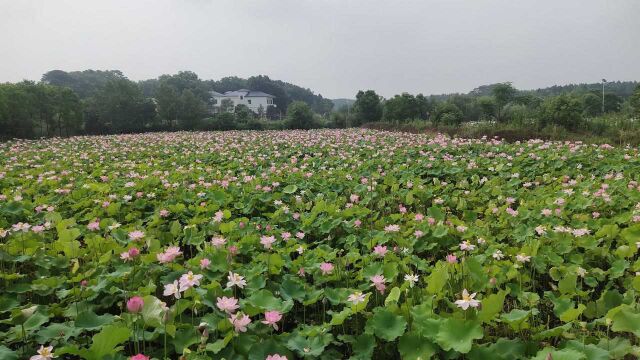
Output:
x,y
168,100
402,107
503,94
192,110
367,108
299,116
634,102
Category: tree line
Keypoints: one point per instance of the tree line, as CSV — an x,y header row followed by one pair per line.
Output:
x,y
107,102
500,103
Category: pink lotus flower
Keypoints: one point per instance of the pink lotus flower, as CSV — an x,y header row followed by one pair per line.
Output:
x,y
240,322
189,280
139,357
125,256
276,357
164,213
136,235
272,318
218,216
172,289
357,223
205,263
356,298
326,268
169,255
419,217
135,304
94,226
380,250
236,280
466,246
452,259
378,282
228,305
218,241
392,228
267,241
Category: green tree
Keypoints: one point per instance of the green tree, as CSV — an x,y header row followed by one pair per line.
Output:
x,y
425,107
299,116
402,107
367,107
120,106
634,102
503,93
487,106
447,113
168,101
243,113
192,110
591,104
563,110
612,103
226,105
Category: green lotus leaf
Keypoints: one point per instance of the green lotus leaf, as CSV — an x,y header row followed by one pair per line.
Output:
x,y
458,334
415,347
386,325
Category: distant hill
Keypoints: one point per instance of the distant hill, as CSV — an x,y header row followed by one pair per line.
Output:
x,y
340,103
623,89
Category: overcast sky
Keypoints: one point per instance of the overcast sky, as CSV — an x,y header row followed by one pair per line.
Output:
x,y
332,47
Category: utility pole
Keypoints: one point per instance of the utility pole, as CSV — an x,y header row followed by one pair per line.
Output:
x,y
603,82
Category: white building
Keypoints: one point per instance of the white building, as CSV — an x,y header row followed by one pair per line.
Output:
x,y
254,100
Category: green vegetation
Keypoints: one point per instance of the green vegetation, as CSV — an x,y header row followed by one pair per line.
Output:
x,y
106,102
501,110
321,244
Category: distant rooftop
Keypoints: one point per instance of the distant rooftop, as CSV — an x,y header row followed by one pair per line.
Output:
x,y
242,92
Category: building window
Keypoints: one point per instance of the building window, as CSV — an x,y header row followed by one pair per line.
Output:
x,y
215,101
249,101
241,97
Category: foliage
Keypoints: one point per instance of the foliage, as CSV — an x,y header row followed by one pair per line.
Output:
x,y
299,116
563,110
367,107
334,244
447,113
406,107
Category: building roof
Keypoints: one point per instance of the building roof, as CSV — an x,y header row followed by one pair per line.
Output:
x,y
243,92
259,94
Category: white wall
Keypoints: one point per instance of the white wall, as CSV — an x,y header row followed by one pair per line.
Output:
x,y
254,106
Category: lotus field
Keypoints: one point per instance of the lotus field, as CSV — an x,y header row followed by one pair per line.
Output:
x,y
329,244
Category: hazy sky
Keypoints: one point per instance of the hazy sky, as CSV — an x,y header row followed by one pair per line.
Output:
x,y
332,47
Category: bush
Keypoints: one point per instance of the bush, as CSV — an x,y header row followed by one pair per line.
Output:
x,y
563,110
448,114
299,116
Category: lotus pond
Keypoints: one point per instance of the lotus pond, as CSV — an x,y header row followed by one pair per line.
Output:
x,y
330,244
